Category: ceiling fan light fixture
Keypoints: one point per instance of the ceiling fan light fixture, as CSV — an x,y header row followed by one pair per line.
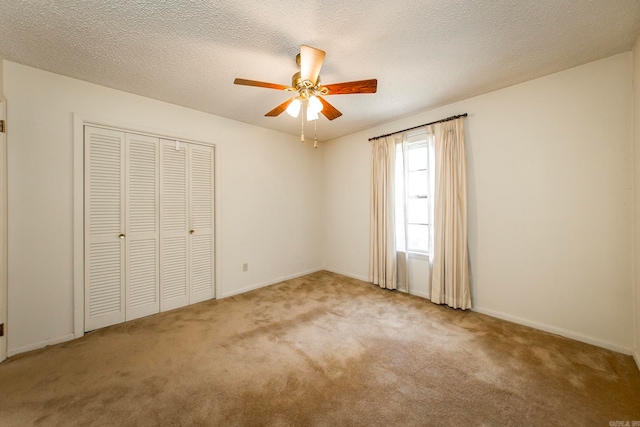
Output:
x,y
315,104
294,107
311,114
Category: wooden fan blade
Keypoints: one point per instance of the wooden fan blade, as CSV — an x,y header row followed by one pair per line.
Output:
x,y
360,86
256,83
328,110
311,60
279,109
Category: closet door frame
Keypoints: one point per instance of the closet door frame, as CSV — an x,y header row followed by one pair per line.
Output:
x,y
4,287
79,122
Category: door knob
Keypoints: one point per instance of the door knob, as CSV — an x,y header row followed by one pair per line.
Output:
x,y
192,231
121,235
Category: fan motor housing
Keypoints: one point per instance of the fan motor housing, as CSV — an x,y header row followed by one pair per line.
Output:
x,y
304,85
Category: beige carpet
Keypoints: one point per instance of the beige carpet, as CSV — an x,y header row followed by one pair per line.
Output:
x,y
321,350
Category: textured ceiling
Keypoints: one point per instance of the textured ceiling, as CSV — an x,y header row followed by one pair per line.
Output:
x,y
424,53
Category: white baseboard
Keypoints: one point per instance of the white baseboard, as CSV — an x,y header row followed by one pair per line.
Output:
x,y
559,331
353,276
40,344
636,357
268,283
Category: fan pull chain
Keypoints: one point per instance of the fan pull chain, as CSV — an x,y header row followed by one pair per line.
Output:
x,y
302,122
315,134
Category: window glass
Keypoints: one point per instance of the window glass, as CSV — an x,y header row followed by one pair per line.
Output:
x,y
418,237
418,202
418,184
418,211
414,185
417,157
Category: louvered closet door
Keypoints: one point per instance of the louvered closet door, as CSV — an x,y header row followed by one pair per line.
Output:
x,y
142,226
174,225
201,163
104,228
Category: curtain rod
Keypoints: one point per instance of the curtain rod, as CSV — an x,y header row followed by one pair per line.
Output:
x,y
416,127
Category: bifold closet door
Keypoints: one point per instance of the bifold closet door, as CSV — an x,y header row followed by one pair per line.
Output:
x,y
104,227
121,227
201,164
141,224
186,218
174,225
149,234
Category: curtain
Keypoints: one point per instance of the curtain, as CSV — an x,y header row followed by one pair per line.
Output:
x,y
382,254
400,195
450,275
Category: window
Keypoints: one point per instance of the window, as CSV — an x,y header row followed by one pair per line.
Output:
x,y
415,172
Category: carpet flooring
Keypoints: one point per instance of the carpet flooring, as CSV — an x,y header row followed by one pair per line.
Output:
x,y
319,350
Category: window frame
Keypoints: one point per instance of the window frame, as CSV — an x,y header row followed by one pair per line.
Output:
x,y
414,141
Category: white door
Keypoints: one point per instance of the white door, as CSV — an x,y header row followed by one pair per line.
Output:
x,y
174,225
142,230
149,225
201,163
187,224
104,227
3,234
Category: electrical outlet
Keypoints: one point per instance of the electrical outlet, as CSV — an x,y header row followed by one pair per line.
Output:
x,y
245,266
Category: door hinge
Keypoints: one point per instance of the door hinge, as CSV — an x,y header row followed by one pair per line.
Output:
x,y
3,126
1,329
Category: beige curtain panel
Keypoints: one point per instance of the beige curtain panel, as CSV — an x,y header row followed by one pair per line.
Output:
x,y
382,255
400,201
450,273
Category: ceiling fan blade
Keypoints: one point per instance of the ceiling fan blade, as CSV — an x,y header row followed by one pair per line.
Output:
x,y
311,60
360,86
279,109
328,110
256,83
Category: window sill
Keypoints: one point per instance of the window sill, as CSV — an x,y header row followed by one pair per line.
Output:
x,y
419,255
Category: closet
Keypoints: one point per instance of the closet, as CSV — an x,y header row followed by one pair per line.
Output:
x,y
149,225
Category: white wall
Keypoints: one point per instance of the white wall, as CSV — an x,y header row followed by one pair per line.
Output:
x,y
550,201
636,193
268,200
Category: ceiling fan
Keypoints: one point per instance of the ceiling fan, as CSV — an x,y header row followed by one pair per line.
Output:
x,y
309,88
